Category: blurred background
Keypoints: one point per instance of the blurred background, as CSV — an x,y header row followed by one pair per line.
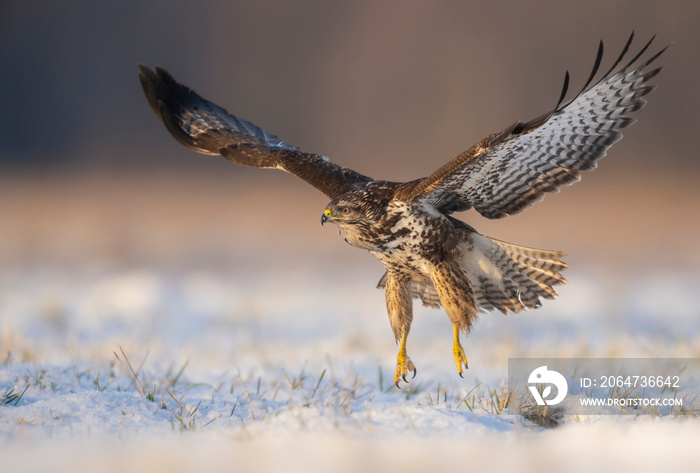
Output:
x,y
91,184
113,236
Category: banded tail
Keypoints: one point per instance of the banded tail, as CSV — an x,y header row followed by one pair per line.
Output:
x,y
509,277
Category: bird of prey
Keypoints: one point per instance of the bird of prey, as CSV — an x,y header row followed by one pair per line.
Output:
x,y
408,226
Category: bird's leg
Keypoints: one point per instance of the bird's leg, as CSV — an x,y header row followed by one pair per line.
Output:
x,y
456,296
458,352
403,363
399,306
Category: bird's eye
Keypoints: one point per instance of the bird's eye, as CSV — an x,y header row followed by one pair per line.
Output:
x,y
345,210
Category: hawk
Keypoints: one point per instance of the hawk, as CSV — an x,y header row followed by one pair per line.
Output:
x,y
408,226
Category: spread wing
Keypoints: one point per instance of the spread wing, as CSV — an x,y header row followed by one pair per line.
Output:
x,y
507,172
207,128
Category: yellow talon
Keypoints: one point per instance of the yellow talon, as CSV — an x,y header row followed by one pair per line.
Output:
x,y
458,352
403,363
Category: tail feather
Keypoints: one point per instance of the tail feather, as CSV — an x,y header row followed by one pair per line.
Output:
x,y
542,266
508,277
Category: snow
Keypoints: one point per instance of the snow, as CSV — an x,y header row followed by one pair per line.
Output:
x,y
235,378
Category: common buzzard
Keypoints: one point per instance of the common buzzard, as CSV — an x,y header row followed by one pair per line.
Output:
x,y
429,254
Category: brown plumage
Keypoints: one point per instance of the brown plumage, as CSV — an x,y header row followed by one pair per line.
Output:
x,y
427,253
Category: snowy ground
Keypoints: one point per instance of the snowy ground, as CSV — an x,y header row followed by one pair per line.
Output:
x,y
263,370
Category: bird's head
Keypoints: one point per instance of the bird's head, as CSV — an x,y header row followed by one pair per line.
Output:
x,y
350,209
356,213
342,213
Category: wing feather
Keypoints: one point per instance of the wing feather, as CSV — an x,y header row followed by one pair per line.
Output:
x,y
205,127
507,172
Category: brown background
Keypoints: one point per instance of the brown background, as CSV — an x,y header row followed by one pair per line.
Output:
x,y
392,89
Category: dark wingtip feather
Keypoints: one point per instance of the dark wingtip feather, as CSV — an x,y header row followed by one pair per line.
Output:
x,y
564,90
654,57
149,84
170,85
166,96
619,58
164,75
596,66
624,52
639,54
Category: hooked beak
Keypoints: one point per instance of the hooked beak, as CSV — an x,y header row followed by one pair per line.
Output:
x,y
326,217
